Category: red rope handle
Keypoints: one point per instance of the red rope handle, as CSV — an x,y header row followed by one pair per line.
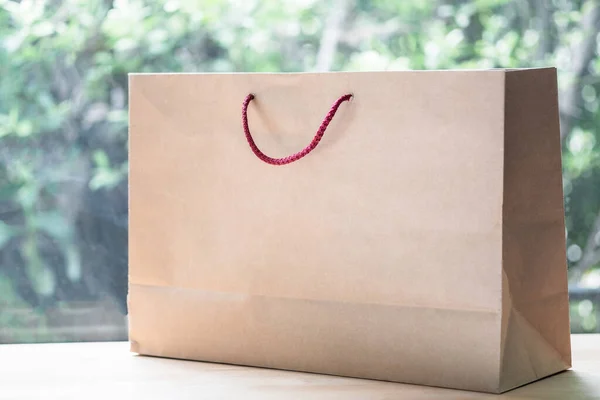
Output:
x,y
300,154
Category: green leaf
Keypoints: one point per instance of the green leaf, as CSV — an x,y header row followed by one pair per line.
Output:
x,y
73,262
41,29
24,128
101,159
117,116
42,278
13,117
27,195
53,223
108,178
7,232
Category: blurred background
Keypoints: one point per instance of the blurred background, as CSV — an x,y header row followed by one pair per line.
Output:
x,y
63,120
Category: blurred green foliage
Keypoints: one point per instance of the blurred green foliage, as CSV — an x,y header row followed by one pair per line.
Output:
x,y
63,103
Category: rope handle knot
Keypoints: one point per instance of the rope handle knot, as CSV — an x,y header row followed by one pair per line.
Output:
x,y
303,152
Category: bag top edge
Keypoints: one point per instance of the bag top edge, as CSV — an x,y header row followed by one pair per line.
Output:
x,y
491,70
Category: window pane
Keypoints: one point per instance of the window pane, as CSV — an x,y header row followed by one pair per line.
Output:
x,y
63,120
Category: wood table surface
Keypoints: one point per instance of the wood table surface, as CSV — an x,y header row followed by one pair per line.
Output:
x,y
110,371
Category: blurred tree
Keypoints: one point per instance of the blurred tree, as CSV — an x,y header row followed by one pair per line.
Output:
x,y
63,104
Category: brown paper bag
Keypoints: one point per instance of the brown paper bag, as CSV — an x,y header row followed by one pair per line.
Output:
x,y
421,241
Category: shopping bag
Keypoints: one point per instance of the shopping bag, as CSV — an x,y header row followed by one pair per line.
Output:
x,y
400,226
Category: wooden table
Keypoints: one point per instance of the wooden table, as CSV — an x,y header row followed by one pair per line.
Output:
x,y
108,371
